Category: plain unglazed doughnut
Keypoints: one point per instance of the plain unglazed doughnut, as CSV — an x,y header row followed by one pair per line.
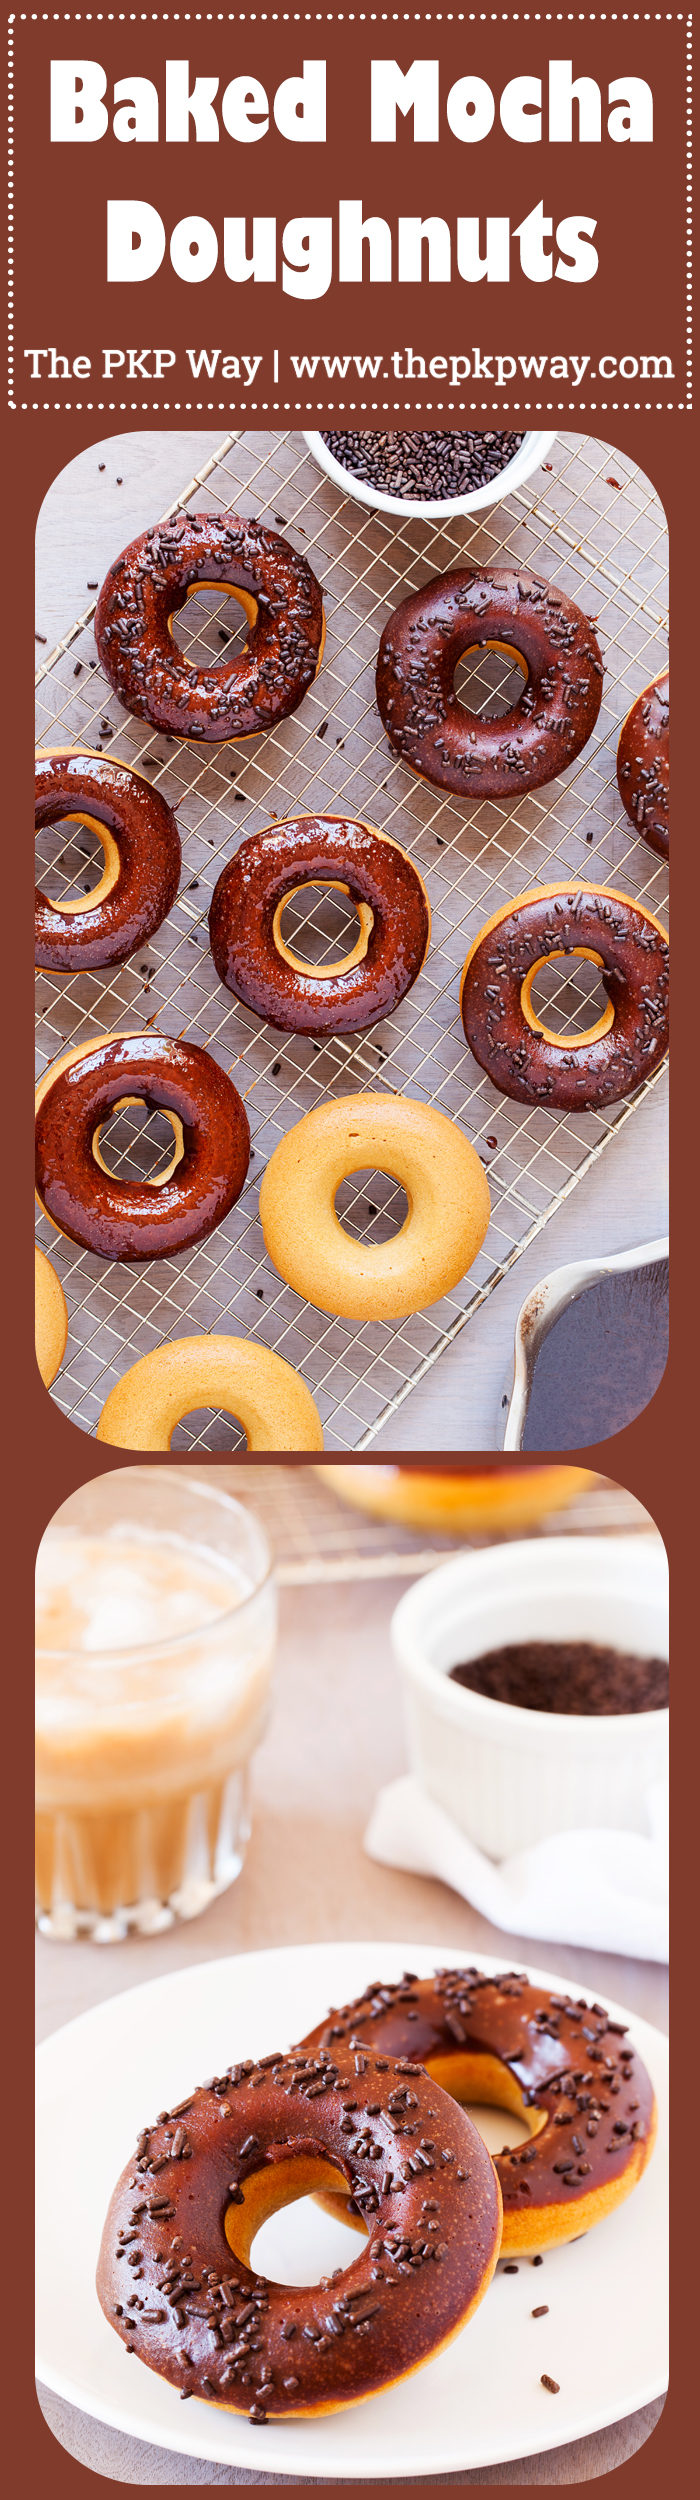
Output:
x,y
561,2065
50,1318
266,1396
520,1053
448,1206
142,860
174,2276
460,1500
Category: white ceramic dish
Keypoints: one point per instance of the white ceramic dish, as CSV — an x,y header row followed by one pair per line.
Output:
x,y
482,2400
510,1777
533,449
544,1304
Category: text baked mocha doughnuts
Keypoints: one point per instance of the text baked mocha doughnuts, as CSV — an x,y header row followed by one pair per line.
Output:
x,y
563,2065
141,873
153,578
554,645
448,1206
174,2277
521,1054
121,1218
245,932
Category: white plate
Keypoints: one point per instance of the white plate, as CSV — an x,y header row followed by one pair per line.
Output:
x,y
481,2402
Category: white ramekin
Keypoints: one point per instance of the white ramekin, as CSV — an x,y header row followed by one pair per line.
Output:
x,y
533,449
510,1777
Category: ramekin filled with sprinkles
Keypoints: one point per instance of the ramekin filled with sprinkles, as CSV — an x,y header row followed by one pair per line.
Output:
x,y
431,475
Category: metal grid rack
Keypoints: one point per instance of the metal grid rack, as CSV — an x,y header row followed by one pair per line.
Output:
x,y
593,526
316,1539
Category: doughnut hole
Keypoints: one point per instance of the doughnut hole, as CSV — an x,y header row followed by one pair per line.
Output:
x,y
211,610
318,928
137,1144
489,679
371,1206
281,2233
492,2098
77,862
209,1428
563,997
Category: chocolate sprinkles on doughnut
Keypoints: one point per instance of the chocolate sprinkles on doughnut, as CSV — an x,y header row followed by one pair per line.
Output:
x,y
551,640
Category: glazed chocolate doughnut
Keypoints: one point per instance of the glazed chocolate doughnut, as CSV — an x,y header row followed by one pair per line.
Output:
x,y
567,1072
245,924
267,1397
500,610
174,2277
560,2064
460,1499
448,1206
153,578
141,873
50,1318
151,1219
643,765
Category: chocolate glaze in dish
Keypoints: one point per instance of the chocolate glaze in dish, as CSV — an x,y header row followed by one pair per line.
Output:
x,y
544,730
129,1219
562,2062
518,1052
118,915
246,910
601,1360
176,2289
643,765
151,580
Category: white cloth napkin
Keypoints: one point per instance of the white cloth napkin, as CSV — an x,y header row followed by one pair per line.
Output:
x,y
608,1889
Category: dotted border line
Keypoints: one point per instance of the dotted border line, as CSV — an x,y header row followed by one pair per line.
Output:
x,y
11,212
247,407
689,211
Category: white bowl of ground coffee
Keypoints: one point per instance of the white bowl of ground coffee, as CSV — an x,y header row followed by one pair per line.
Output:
x,y
576,1630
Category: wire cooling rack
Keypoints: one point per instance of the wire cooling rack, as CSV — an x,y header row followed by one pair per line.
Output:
x,y
316,1538
592,525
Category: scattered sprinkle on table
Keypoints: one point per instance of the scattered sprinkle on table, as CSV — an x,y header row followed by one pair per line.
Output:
x,y
551,2383
510,2269
543,2312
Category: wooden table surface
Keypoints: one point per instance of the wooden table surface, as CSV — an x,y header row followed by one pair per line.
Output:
x,y
335,1737
85,519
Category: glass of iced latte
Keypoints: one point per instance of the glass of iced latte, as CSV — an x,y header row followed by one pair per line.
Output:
x,y
156,1623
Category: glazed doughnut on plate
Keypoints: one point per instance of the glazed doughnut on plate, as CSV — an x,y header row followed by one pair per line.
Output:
x,y
266,1396
643,765
50,1318
116,1216
552,644
174,2275
563,2066
151,581
245,932
521,1054
142,860
448,1206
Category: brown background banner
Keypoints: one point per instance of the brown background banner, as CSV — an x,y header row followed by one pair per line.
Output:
x,y
631,312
